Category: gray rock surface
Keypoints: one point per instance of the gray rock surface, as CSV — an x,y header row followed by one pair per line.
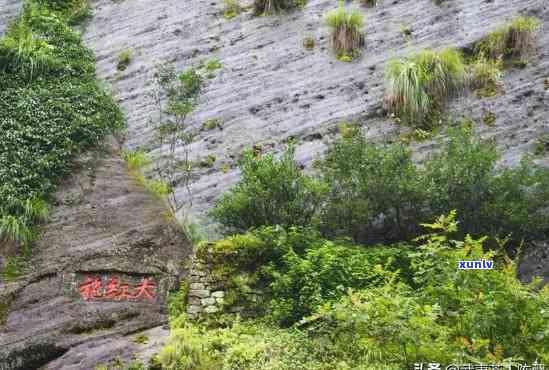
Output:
x,y
104,224
271,88
8,10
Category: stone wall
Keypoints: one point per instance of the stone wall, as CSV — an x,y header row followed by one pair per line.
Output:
x,y
205,295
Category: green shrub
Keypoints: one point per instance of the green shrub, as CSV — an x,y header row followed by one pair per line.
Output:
x,y
382,198
260,247
271,192
136,159
23,53
368,180
347,37
419,87
240,346
324,273
541,146
517,39
489,201
296,269
52,111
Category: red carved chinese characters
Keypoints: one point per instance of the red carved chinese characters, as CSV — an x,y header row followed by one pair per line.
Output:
x,y
92,289
145,289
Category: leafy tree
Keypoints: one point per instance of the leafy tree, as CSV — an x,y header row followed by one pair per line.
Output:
x,y
171,128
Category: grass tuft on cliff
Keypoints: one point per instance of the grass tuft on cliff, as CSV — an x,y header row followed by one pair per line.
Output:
x,y
418,87
514,40
347,37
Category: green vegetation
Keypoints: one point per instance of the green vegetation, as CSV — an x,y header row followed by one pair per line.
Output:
x,y
211,124
208,162
170,125
404,306
515,40
489,119
232,9
485,75
347,37
271,192
141,339
383,198
275,6
124,60
212,64
52,107
419,87
4,309
541,146
309,42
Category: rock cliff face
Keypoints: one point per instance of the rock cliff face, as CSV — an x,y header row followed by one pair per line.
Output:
x,y
269,90
8,10
104,226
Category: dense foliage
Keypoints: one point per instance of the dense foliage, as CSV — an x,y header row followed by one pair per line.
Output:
x,y
296,268
425,311
272,191
51,107
377,193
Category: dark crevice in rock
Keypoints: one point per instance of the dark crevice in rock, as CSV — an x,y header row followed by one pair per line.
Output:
x,y
32,357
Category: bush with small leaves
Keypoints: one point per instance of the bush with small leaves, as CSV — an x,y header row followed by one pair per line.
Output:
x,y
272,191
366,181
25,53
382,198
52,107
232,9
369,310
